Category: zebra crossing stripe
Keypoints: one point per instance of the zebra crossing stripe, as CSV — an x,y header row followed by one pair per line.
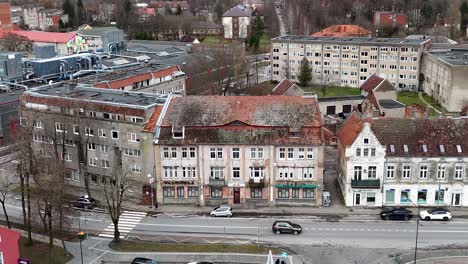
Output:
x,y
127,221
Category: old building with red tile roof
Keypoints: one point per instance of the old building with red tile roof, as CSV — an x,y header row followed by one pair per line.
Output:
x,y
381,98
57,39
390,19
286,87
403,161
343,31
225,146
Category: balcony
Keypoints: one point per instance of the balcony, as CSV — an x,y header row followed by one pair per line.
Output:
x,y
217,182
366,184
256,183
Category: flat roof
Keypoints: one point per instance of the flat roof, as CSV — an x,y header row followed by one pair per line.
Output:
x,y
455,57
390,104
357,40
84,92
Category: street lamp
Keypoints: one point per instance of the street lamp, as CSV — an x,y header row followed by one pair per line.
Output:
x,y
417,231
81,236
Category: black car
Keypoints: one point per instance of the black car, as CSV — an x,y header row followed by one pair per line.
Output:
x,y
287,227
143,261
397,213
85,202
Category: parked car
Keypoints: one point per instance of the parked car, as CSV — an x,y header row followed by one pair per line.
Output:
x,y
280,227
143,261
85,202
436,214
396,213
221,211
200,262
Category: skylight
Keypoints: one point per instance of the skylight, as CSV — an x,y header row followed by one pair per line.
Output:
x,y
442,148
459,149
405,148
424,148
392,148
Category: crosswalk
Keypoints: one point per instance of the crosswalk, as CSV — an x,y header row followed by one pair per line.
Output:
x,y
127,221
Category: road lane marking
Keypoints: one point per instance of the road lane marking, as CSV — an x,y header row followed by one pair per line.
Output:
x,y
127,222
200,226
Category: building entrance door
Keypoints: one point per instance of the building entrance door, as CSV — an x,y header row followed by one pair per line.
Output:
x,y
236,195
456,199
357,199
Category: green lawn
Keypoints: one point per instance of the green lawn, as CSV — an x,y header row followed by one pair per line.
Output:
x,y
332,91
138,246
408,98
38,253
263,88
215,40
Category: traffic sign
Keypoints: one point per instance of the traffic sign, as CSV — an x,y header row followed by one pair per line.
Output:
x,y
284,254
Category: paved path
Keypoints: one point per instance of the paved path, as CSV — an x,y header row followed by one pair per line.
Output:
x,y
420,95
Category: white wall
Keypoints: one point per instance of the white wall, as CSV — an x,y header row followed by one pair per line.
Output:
x,y
227,24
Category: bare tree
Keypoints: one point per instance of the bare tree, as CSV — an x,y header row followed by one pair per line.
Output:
x,y
15,42
6,183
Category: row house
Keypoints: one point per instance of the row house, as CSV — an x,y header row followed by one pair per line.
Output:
x,y
97,130
247,150
403,161
40,18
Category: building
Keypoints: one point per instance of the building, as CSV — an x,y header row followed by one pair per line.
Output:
x,y
286,87
343,31
16,13
9,246
403,161
142,78
236,22
106,12
105,39
62,42
11,66
5,15
37,17
145,13
348,61
443,76
254,4
240,150
95,131
390,19
9,101
162,6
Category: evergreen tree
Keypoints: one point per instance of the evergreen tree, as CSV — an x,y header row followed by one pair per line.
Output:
x,y
464,16
179,10
305,74
258,29
69,9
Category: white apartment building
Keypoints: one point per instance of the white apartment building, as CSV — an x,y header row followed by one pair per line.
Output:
x,y
403,162
40,18
348,61
444,77
236,22
246,150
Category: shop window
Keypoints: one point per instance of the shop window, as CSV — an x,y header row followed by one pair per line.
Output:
x,y
422,196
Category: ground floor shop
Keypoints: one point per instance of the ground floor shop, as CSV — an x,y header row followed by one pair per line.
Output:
x,y
428,195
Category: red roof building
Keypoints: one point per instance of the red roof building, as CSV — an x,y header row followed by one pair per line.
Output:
x,y
5,16
9,248
343,31
390,19
286,87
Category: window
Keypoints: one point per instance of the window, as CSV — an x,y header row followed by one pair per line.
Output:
x,y
166,152
236,172
370,197
256,193
184,153
216,192
358,152
290,153
132,137
59,127
235,153
308,193
105,164
366,152
282,153
91,146
366,141
180,191
459,149
76,130
301,153
441,172
89,132
135,119
192,152
132,152
390,196
357,172
283,193
423,172
168,191
104,148
372,172
422,196
307,173
92,162
115,134
295,193
38,124
67,156
217,173
94,178
372,152
174,152
102,133
406,172
135,168
256,172
310,153
192,191
439,196
458,172
220,153
390,171
404,196
188,172
75,175
256,153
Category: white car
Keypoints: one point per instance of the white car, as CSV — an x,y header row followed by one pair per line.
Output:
x,y
436,214
221,211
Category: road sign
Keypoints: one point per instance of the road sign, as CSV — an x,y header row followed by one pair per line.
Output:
x,y
284,254
151,180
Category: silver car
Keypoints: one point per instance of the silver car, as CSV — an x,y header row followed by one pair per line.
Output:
x,y
221,211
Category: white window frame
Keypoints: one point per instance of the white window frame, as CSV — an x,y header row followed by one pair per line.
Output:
x,y
406,171
441,169
102,133
91,146
89,132
257,170
458,172
133,137
76,129
38,124
236,152
282,154
310,153
301,153
193,151
105,164
390,171
136,168
59,127
290,154
112,134
92,162
424,171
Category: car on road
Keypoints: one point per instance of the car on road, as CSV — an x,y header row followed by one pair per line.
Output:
x,y
143,261
221,211
85,202
396,213
280,227
200,262
436,214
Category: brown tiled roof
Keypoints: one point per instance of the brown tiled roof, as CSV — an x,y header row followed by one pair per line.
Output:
x,y
149,127
371,83
282,87
350,129
371,98
421,110
464,111
343,31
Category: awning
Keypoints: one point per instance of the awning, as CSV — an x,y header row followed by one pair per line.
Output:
x,y
303,186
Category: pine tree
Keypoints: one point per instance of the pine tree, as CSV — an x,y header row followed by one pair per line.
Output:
x,y
305,74
258,29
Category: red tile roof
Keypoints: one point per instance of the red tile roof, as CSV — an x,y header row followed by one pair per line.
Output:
x,y
371,83
149,127
343,31
414,107
42,36
464,111
350,129
146,11
282,87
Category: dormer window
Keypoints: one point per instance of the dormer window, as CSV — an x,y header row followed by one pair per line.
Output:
x,y
392,148
459,149
178,132
424,148
405,148
442,148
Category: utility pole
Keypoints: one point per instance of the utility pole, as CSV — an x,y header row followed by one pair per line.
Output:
x,y
417,234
